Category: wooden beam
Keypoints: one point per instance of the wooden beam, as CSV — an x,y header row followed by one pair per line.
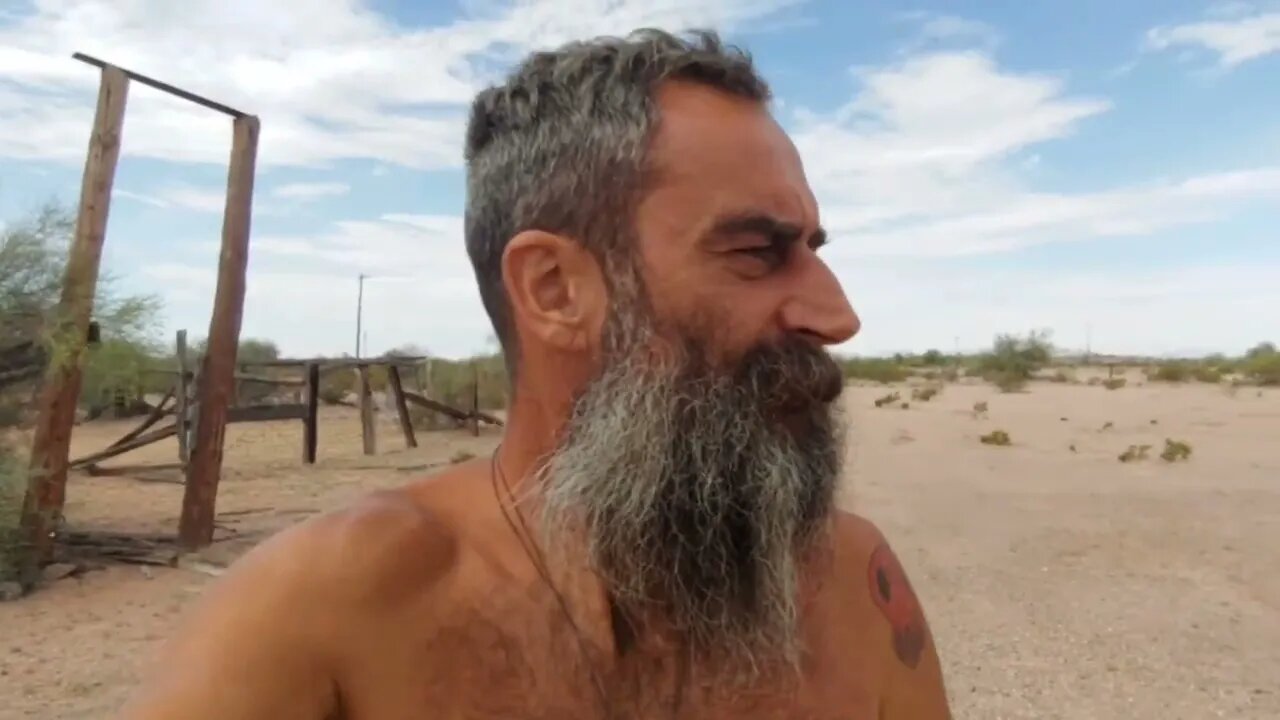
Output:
x,y
311,425
182,409
335,363
452,412
156,413
367,429
217,376
47,480
402,408
140,441
267,413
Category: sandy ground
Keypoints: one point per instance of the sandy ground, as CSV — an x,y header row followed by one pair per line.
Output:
x,y
1059,583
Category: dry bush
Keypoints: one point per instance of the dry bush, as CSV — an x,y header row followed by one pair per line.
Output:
x,y
996,437
1135,453
1175,450
1063,376
889,399
925,394
905,406
1114,383
1170,372
1008,381
461,456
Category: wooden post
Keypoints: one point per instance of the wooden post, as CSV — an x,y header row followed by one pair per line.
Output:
x,y
47,481
366,411
217,377
402,408
184,396
475,399
311,427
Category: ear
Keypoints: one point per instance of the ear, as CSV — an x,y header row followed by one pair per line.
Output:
x,y
556,290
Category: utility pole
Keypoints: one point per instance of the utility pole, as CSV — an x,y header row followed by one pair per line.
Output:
x,y
359,311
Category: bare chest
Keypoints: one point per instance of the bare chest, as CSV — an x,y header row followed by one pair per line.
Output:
x,y
520,656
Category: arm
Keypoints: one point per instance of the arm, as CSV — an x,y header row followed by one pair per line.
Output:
x,y
250,649
914,688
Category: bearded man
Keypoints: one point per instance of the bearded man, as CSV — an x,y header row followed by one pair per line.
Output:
x,y
656,536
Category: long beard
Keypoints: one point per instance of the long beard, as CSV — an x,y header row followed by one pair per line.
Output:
x,y
699,491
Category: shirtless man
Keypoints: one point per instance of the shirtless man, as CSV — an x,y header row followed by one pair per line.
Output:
x,y
656,536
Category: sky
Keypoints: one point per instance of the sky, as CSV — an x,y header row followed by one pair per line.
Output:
x,y
1109,171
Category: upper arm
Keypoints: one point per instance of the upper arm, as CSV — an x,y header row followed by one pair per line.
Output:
x,y
913,686
248,649
267,640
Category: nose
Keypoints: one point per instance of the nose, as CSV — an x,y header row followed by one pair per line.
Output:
x,y
818,307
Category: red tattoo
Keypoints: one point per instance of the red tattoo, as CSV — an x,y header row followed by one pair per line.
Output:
x,y
892,593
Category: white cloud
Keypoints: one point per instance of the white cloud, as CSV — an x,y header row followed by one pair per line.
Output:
x,y
331,79
310,191
938,29
1235,39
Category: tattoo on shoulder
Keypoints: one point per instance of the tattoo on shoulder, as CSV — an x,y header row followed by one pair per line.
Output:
x,y
892,593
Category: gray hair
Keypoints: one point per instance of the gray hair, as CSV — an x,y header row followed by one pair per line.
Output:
x,y
561,146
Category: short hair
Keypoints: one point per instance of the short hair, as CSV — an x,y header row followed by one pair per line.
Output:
x,y
561,146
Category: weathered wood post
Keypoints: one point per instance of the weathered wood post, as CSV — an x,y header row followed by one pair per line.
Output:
x,y
367,431
311,427
47,482
402,408
195,528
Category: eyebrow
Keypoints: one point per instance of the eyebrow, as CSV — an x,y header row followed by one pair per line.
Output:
x,y
778,231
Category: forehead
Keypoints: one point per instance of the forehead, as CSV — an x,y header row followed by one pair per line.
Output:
x,y
716,154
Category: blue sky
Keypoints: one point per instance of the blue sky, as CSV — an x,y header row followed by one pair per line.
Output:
x,y
1104,168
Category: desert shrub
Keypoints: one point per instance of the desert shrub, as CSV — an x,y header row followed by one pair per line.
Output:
x,y
1114,383
980,407
925,394
1013,360
12,486
1206,374
1262,365
996,437
889,399
1062,376
1135,453
1171,372
932,357
1175,450
336,385
1008,381
879,370
461,456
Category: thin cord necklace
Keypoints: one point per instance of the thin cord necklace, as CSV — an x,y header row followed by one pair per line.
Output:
x,y
531,550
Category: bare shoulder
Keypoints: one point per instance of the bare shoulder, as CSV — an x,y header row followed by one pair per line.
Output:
x,y
269,639
885,605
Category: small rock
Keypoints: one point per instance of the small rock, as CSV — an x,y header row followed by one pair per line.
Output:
x,y
146,571
57,571
10,591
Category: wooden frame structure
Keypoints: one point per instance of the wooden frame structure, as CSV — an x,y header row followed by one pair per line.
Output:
x,y
47,480
182,402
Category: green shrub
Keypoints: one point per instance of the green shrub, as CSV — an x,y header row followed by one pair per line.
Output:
x,y
879,370
996,437
1263,369
12,487
1175,450
1171,372
1013,360
1135,453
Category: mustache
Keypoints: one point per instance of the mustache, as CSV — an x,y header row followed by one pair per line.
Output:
x,y
790,374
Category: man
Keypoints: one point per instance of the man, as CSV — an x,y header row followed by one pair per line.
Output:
x,y
656,536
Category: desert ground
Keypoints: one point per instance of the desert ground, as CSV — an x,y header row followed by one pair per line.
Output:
x,y
1059,582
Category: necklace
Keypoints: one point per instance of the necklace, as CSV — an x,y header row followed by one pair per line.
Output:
x,y
531,550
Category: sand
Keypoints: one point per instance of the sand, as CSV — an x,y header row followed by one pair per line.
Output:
x,y
1059,583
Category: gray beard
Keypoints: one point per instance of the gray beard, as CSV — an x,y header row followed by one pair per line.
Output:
x,y
697,504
